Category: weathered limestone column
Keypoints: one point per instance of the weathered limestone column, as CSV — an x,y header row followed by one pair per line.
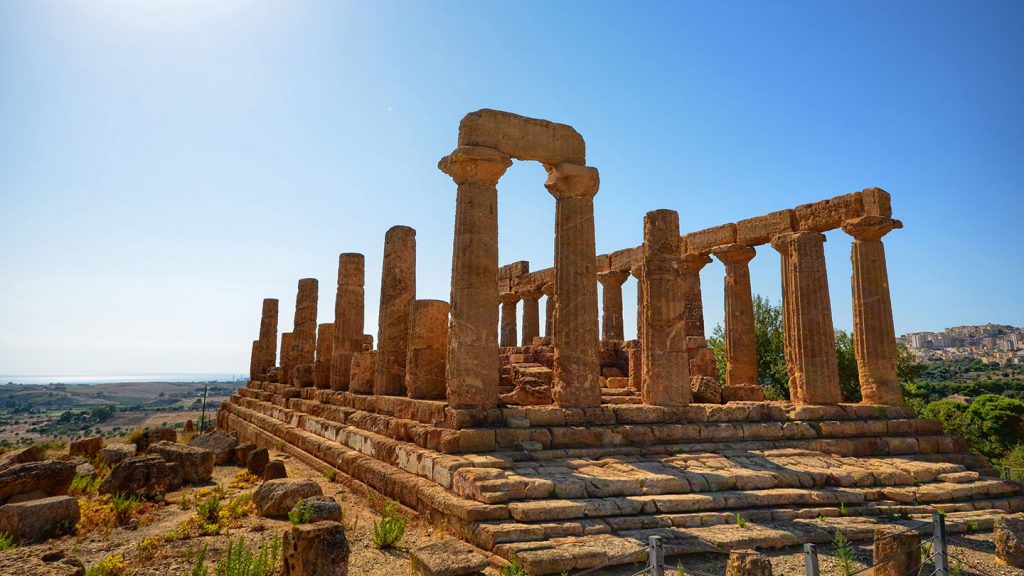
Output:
x,y
549,310
287,358
508,318
740,338
611,309
577,369
666,371
397,293
305,321
693,302
348,318
873,331
636,355
254,360
531,314
472,371
324,353
268,337
809,336
428,344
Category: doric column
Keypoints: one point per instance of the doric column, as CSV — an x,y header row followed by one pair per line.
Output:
x,y
740,338
324,352
304,328
397,293
348,318
268,337
428,340
577,370
693,302
508,318
254,360
531,314
284,375
636,356
666,371
611,300
549,310
873,332
809,337
472,370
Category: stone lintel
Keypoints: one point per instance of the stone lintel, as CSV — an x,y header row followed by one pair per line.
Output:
x,y
702,241
829,214
760,229
523,138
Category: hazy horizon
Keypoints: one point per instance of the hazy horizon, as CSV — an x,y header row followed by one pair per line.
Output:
x,y
166,165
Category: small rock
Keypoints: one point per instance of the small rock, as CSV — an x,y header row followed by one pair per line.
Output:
x,y
149,476
37,520
40,561
277,497
257,461
319,549
748,563
242,452
220,443
114,453
320,508
88,447
196,464
1010,540
451,557
706,390
151,437
52,477
275,470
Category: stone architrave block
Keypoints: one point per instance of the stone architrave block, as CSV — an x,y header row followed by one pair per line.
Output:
x,y
625,259
760,229
702,241
523,138
877,202
602,263
829,214
514,270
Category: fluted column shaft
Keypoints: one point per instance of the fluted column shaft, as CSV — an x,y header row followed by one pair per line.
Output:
x,y
636,356
324,355
397,293
549,310
666,371
693,301
740,337
268,337
611,304
304,328
577,370
809,336
287,358
348,318
873,331
472,369
508,318
531,314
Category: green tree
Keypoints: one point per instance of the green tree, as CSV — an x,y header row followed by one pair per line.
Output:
x,y
846,359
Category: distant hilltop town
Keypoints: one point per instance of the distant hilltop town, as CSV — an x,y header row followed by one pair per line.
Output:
x,y
988,343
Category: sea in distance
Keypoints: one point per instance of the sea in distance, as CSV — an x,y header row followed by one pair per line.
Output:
x,y
117,378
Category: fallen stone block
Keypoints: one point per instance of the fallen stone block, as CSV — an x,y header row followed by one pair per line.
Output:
x,y
277,497
37,520
50,477
195,464
1009,535
114,453
220,443
319,509
275,470
147,476
86,446
149,437
450,557
319,549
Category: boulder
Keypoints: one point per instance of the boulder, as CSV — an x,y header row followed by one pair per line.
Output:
x,y
40,561
196,464
37,520
706,390
257,461
150,437
51,477
319,549
20,456
275,470
1009,535
242,452
450,557
114,453
87,447
277,497
748,563
149,476
320,508
219,442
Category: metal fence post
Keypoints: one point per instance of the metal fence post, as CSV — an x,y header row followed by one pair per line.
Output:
x,y
939,545
811,560
656,557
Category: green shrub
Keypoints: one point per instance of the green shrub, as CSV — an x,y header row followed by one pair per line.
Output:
x,y
390,528
330,474
302,514
6,542
513,569
209,510
740,521
242,560
844,554
85,485
124,508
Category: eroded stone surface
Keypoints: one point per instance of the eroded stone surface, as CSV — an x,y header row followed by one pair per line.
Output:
x,y
397,293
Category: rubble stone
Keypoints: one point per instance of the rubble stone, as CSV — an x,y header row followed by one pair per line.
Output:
x,y
397,293
87,447
449,557
221,443
195,464
50,477
37,520
277,497
319,549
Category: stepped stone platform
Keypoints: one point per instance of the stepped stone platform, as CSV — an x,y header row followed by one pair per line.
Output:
x,y
565,489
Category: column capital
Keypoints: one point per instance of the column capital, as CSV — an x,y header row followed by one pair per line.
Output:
x,y
572,181
508,298
781,242
637,271
612,277
530,293
870,227
548,289
734,254
692,262
467,164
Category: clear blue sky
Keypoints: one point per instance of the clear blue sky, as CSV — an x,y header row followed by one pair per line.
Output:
x,y
166,165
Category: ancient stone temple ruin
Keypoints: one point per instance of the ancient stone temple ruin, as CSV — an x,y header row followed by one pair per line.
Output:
x,y
570,448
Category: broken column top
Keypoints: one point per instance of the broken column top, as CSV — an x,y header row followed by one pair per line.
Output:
x,y
523,138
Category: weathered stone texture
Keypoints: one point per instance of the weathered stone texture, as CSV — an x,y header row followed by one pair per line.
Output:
x,y
49,477
318,549
195,464
896,553
507,327
287,358
86,446
268,337
362,371
760,229
277,497
348,318
397,292
37,520
1009,537
449,557
523,138
531,314
428,339
702,241
666,377
324,355
829,214
611,304
740,339
693,302
305,321
748,563
221,443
